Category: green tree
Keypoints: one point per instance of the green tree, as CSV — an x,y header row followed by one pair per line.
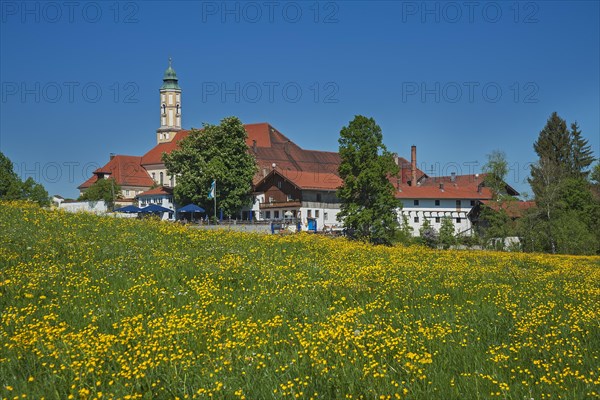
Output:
x,y
405,232
11,187
103,189
553,148
573,235
427,234
595,175
34,191
217,152
447,237
495,222
582,155
368,203
496,170
595,180
562,192
10,184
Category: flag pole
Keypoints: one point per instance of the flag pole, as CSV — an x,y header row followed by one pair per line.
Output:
x,y
215,199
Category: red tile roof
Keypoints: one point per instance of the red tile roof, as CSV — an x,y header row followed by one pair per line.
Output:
x,y
469,186
154,156
161,190
126,170
269,146
514,209
469,181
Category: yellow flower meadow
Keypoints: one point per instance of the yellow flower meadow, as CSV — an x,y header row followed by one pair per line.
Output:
x,y
98,307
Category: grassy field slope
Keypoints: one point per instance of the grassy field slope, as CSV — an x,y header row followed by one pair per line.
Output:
x,y
98,307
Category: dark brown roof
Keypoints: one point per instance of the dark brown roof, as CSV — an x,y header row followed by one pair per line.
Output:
x,y
307,180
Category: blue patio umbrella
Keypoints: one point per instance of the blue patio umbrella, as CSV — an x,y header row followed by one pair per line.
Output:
x,y
191,208
129,209
155,208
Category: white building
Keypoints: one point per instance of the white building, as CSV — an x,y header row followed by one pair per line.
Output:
x,y
436,198
307,197
161,196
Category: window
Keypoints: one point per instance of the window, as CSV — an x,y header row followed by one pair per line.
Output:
x,y
308,213
458,220
437,202
316,213
268,214
276,214
318,198
416,218
458,203
437,220
279,184
161,178
154,176
289,197
416,202
325,216
472,203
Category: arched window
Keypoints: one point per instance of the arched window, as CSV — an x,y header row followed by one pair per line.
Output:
x,y
161,178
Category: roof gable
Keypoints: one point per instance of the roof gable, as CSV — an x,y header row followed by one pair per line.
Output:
x,y
125,170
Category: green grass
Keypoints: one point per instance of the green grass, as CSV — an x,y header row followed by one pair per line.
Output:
x,y
106,308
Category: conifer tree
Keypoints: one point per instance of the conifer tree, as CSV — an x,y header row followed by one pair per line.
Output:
x,y
566,206
582,155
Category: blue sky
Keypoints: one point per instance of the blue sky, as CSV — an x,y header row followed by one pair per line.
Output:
x,y
457,79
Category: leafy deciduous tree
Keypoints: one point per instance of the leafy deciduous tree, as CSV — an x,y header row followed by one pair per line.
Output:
x,y
217,152
11,187
447,237
427,234
496,170
107,190
34,191
369,206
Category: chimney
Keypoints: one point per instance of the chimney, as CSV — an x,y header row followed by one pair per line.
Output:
x,y
442,186
112,155
413,165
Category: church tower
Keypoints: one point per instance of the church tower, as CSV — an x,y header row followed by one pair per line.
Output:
x,y
170,107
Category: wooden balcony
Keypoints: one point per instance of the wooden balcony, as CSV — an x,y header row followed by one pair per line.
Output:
x,y
281,204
